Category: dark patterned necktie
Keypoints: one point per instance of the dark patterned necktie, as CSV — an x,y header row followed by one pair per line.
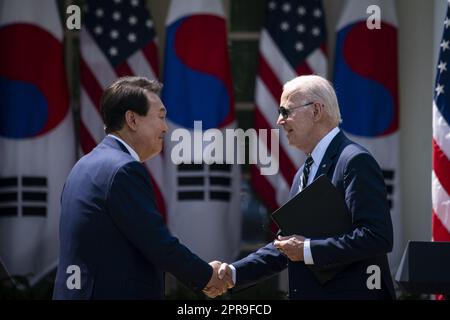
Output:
x,y
306,169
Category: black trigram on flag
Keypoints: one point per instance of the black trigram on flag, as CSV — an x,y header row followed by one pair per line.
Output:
x,y
23,196
204,182
389,181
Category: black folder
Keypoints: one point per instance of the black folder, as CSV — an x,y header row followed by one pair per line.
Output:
x,y
318,211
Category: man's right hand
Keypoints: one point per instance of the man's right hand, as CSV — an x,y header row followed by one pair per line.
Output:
x,y
226,274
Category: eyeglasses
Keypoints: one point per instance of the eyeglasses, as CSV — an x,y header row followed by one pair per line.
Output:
x,y
285,113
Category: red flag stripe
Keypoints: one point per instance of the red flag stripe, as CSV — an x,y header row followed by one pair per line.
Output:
x,y
269,78
440,232
91,85
151,53
160,204
86,140
123,70
441,165
324,49
303,69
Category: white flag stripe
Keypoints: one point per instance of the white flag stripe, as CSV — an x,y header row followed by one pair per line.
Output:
x,y
440,201
140,66
441,131
91,118
359,9
378,147
317,62
275,59
266,102
24,11
269,109
96,60
189,7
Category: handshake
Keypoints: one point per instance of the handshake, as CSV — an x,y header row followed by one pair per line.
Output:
x,y
221,280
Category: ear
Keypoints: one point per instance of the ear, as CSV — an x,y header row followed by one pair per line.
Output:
x,y
318,111
130,120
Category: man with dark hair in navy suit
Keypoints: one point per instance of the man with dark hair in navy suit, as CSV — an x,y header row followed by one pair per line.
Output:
x,y
309,114
113,242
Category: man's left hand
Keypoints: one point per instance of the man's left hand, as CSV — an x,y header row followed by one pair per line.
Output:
x,y
291,246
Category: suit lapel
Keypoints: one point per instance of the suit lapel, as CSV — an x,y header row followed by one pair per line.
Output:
x,y
295,184
330,154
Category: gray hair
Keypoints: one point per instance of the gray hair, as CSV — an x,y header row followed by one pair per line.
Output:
x,y
315,88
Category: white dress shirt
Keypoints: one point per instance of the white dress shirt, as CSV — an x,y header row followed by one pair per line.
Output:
x,y
317,155
130,149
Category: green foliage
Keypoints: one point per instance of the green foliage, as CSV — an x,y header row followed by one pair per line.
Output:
x,y
246,16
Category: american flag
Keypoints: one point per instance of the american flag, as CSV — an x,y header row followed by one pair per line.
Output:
x,y
117,39
292,43
441,142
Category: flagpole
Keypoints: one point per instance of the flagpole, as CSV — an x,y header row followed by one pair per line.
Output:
x,y
72,60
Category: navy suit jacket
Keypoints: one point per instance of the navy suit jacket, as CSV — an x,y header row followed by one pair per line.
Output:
x,y
111,230
359,179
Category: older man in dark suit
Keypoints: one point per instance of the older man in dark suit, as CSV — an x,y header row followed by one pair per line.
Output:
x,y
110,231
309,115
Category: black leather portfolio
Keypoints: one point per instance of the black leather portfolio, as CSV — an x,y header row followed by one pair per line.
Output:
x,y
318,211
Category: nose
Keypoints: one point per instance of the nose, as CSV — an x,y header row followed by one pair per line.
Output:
x,y
281,121
165,127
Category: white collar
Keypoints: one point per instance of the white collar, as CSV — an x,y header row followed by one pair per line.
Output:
x,y
130,149
320,149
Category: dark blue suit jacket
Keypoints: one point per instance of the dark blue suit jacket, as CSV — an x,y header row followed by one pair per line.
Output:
x,y
111,229
358,177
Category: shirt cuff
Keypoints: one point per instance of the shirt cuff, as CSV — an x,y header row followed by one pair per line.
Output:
x,y
307,256
233,273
